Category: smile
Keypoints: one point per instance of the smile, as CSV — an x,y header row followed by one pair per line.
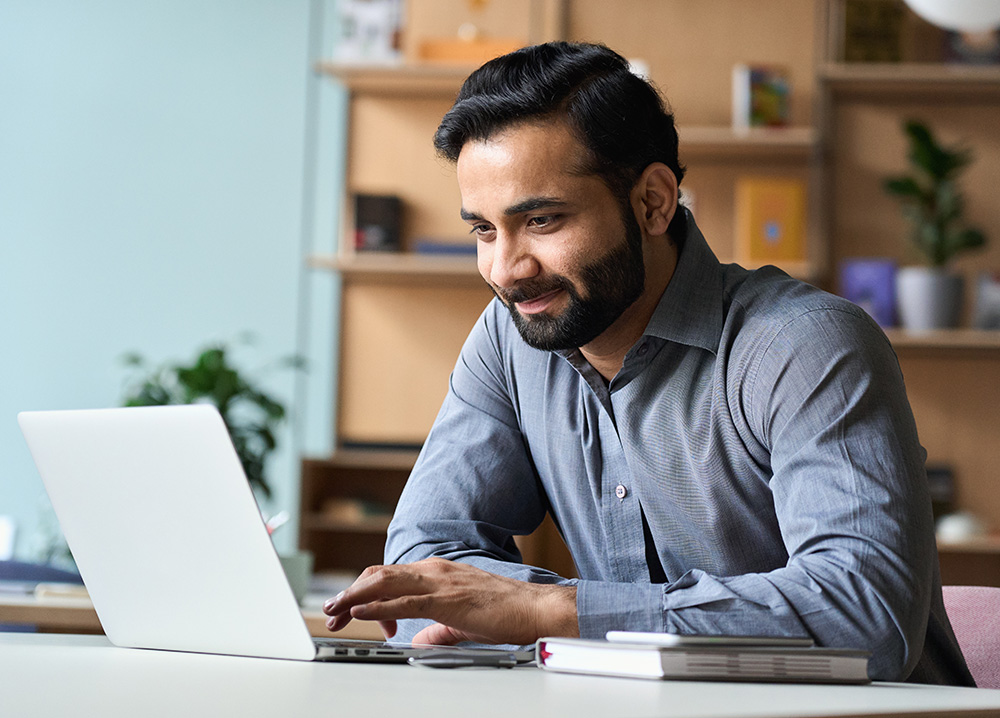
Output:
x,y
538,304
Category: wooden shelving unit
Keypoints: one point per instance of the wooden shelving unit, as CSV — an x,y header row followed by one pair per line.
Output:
x,y
901,80
946,339
369,478
707,143
974,562
949,374
402,267
403,80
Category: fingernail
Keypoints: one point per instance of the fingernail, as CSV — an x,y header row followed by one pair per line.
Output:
x,y
331,602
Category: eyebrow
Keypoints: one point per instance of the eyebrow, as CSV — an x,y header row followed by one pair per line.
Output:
x,y
528,205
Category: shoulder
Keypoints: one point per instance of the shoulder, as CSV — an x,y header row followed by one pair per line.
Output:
x,y
769,306
775,322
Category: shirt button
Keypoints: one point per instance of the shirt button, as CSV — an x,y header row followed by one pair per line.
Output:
x,y
643,350
621,492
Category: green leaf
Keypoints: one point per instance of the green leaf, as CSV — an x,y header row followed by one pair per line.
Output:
x,y
968,239
903,186
932,201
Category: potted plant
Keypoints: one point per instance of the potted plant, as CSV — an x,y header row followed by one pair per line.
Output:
x,y
930,296
251,414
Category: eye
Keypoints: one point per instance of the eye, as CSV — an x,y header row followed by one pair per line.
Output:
x,y
545,221
482,231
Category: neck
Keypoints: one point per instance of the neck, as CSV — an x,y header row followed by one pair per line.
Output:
x,y
607,352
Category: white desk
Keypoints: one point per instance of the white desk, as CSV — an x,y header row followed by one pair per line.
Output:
x,y
76,614
48,675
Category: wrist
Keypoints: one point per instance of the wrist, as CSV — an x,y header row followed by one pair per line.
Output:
x,y
557,614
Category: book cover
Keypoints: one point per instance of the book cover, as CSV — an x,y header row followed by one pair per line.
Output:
x,y
770,221
717,662
871,284
377,223
760,97
426,245
872,30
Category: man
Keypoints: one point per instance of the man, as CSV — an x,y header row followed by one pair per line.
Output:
x,y
724,451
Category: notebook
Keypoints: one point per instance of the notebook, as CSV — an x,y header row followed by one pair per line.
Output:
x,y
703,658
168,538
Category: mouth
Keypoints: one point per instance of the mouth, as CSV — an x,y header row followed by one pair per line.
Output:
x,y
539,304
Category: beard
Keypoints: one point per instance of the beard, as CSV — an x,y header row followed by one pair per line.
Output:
x,y
610,285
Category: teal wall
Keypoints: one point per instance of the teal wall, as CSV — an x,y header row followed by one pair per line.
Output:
x,y
164,167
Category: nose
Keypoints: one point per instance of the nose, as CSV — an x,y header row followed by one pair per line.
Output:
x,y
505,261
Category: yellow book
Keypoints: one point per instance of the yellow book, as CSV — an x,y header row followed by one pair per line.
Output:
x,y
770,221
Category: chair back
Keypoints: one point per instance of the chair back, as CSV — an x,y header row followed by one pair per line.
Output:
x,y
974,613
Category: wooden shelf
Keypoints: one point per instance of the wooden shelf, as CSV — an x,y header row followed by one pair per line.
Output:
x,y
957,339
890,80
368,459
402,267
706,142
317,522
983,545
427,80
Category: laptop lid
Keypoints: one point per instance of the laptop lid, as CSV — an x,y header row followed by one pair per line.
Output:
x,y
165,530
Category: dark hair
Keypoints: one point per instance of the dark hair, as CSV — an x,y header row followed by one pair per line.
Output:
x,y
618,117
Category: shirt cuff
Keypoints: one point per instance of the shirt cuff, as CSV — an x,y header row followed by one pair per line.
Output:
x,y
603,607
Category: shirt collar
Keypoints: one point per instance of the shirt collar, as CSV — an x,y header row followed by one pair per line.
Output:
x,y
691,309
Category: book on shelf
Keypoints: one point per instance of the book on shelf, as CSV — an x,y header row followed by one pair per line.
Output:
x,y
444,247
871,284
770,220
716,660
760,97
872,31
377,223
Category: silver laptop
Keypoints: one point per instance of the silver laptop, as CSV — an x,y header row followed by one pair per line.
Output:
x,y
168,537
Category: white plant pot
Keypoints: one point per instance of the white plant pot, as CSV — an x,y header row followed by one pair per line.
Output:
x,y
928,298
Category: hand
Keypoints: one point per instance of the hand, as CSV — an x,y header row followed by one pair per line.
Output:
x,y
467,603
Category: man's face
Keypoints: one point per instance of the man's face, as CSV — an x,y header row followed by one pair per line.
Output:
x,y
552,242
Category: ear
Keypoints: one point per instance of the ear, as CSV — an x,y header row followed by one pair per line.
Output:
x,y
654,199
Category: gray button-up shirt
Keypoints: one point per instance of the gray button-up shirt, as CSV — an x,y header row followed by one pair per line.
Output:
x,y
760,429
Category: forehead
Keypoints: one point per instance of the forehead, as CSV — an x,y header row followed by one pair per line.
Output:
x,y
527,157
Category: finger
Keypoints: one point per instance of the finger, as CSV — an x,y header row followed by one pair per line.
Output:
x,y
389,628
395,608
331,602
390,582
438,634
371,570
335,623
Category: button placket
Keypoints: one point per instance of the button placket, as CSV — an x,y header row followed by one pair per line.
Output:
x,y
622,517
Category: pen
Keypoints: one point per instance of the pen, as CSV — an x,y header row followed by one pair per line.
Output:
x,y
279,519
463,660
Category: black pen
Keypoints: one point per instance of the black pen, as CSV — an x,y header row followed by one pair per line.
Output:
x,y
457,659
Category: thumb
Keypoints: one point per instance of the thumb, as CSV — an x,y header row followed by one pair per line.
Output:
x,y
437,634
